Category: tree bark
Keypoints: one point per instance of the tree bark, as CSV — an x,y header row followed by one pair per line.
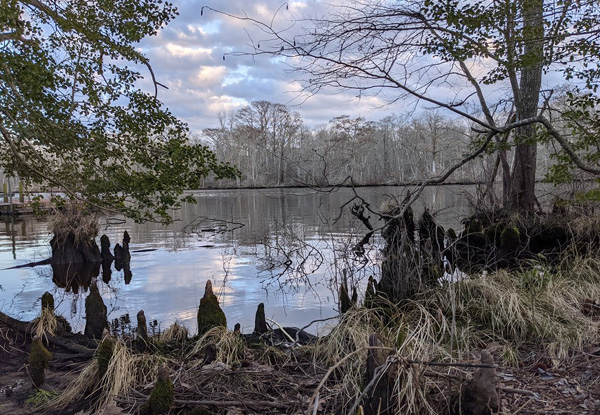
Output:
x,y
522,190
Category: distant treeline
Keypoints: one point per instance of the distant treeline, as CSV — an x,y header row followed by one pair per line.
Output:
x,y
272,146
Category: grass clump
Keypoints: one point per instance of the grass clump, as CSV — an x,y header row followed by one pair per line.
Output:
x,y
175,334
73,220
230,346
46,324
39,397
119,375
539,304
534,305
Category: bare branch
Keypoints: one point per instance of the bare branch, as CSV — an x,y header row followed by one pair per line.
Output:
x,y
564,143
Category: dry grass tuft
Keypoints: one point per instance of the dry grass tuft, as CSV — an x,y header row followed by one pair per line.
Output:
x,y
350,336
125,370
79,388
532,305
45,325
120,374
175,334
539,305
230,345
74,220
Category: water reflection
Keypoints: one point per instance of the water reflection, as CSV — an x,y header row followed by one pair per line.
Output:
x,y
283,247
72,277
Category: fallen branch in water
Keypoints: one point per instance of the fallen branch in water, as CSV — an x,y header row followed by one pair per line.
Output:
x,y
32,264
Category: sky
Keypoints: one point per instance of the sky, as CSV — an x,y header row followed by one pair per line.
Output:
x,y
187,57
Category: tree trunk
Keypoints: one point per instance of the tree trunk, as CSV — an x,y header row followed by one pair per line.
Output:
x,y
522,190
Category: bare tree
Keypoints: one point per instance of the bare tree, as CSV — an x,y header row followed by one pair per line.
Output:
x,y
483,54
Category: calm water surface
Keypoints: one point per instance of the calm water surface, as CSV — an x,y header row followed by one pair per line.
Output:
x,y
284,247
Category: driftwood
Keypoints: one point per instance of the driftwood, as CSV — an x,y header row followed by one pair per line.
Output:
x,y
26,328
32,264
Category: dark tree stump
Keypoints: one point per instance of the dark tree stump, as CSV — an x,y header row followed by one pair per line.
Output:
x,y
142,332
210,313
380,399
69,251
479,396
95,314
105,249
48,301
260,323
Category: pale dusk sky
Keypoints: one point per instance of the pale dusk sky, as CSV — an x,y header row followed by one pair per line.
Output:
x,y
187,57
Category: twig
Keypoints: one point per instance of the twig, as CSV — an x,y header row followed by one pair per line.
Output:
x,y
255,404
521,392
522,406
285,333
310,324
474,365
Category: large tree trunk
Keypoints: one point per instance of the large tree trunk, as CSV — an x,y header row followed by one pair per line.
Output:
x,y
522,190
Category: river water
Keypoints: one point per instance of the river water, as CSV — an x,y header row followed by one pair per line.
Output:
x,y
287,248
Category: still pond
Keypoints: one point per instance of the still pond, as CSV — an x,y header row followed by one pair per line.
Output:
x,y
286,248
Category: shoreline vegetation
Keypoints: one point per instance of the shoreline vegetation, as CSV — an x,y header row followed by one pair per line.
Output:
x,y
516,334
222,185
421,356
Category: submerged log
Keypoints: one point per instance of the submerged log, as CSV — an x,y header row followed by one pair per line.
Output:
x,y
32,264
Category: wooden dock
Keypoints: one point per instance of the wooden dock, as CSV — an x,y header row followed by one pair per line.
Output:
x,y
17,208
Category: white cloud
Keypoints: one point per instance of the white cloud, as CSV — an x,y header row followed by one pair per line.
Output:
x,y
207,76
187,56
180,51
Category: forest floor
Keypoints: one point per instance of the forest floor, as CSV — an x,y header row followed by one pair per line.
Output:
x,y
287,385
